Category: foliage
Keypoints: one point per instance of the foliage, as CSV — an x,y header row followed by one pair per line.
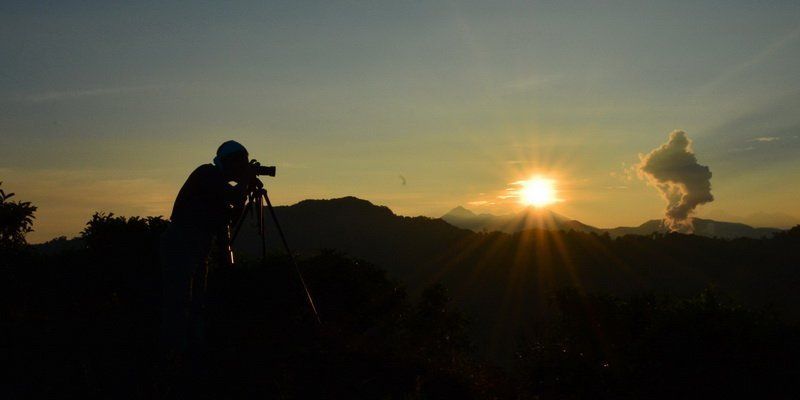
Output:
x,y
16,220
794,232
99,307
647,346
82,318
115,235
441,331
370,344
500,279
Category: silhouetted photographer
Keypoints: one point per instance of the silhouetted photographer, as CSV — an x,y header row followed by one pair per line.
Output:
x,y
212,197
208,213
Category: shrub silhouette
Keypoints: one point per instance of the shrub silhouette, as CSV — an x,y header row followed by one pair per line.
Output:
x,y
99,307
119,236
369,346
16,220
81,319
646,346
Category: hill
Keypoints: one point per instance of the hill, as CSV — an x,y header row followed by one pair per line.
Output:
x,y
503,279
532,218
500,278
568,312
529,218
359,228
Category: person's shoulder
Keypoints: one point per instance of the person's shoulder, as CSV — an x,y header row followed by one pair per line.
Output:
x,y
206,171
206,168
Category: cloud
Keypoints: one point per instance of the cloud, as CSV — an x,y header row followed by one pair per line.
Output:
x,y
530,83
673,169
766,139
80,93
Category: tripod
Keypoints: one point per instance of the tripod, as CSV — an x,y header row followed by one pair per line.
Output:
x,y
255,204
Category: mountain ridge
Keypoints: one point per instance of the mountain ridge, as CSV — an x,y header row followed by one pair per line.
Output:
x,y
512,223
488,272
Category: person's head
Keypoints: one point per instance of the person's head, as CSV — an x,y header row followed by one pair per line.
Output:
x,y
232,158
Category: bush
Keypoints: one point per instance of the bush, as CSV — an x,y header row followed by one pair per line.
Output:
x,y
87,320
16,220
656,347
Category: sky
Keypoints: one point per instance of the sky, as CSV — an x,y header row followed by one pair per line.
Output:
x,y
417,105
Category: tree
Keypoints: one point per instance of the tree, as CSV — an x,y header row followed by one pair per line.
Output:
x,y
16,220
120,236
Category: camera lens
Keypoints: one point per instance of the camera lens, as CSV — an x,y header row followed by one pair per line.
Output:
x,y
265,170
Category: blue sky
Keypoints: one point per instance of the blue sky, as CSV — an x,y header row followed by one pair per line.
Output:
x,y
109,105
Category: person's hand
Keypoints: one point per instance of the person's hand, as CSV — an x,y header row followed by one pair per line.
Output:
x,y
256,183
250,177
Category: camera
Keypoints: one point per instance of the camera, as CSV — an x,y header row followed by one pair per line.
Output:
x,y
257,169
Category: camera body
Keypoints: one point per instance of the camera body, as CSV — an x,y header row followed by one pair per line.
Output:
x,y
258,170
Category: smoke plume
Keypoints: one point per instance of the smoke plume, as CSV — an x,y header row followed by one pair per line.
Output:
x,y
673,169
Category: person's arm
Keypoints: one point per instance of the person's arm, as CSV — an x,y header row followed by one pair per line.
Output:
x,y
235,198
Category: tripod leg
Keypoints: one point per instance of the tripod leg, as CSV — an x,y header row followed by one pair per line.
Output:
x,y
240,221
238,226
291,257
260,204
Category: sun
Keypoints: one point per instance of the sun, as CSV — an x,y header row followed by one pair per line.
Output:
x,y
537,192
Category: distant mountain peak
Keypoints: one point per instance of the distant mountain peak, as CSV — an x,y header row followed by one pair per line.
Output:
x,y
460,212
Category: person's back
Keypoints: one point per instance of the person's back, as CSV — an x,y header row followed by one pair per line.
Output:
x,y
203,201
